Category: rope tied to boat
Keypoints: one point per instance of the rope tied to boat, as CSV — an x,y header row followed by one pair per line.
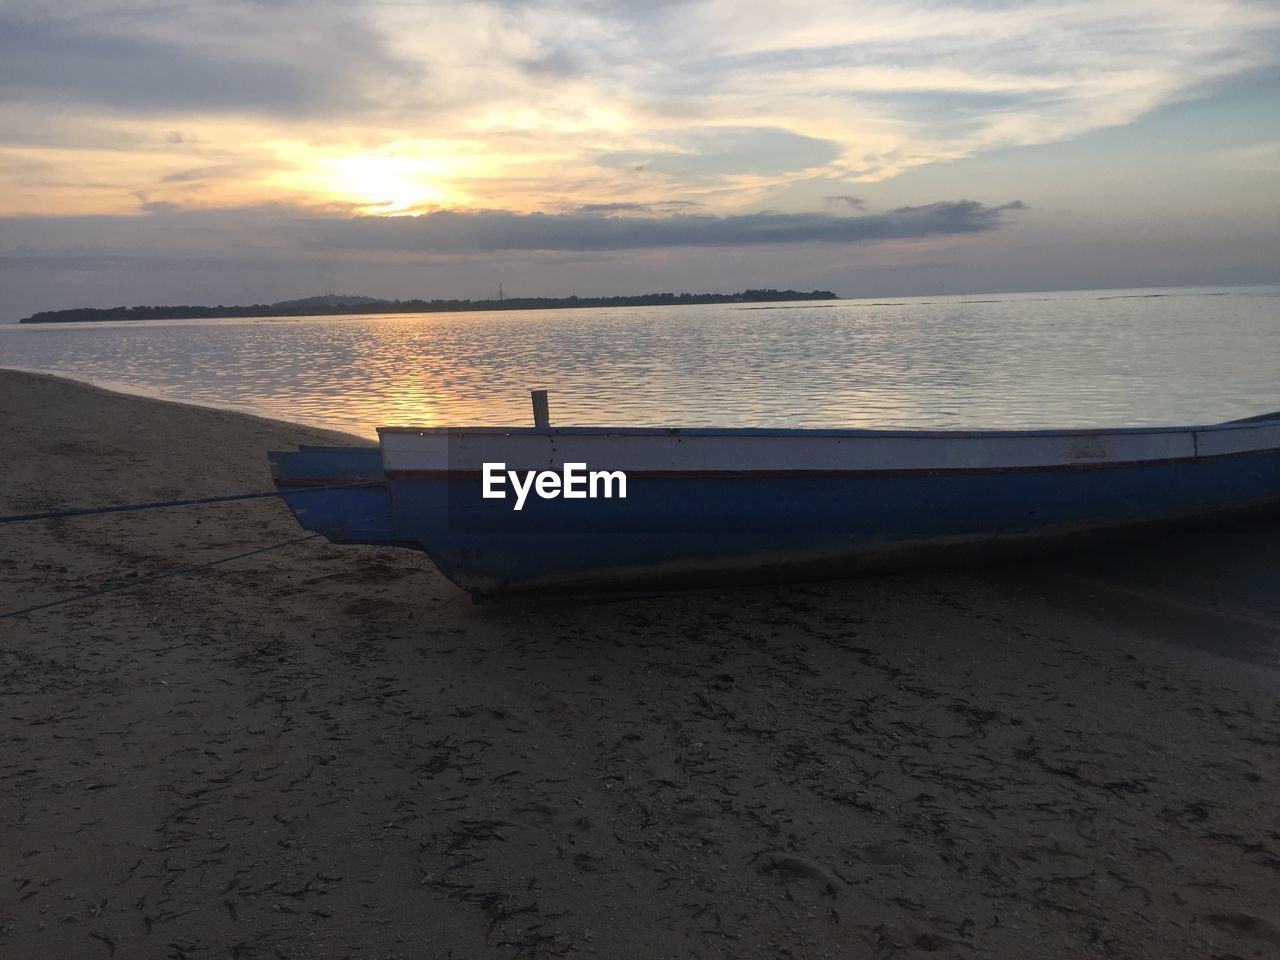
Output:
x,y
182,571
192,501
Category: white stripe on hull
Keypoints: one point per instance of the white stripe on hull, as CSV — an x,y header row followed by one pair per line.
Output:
x,y
462,449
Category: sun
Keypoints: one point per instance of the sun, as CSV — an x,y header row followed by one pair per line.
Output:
x,y
385,184
376,184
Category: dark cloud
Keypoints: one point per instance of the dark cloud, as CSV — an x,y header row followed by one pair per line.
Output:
x,y
845,200
72,261
657,206
558,63
158,206
288,228
185,176
496,230
223,171
67,62
956,216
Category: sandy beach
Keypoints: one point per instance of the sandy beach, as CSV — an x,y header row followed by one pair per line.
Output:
x,y
330,752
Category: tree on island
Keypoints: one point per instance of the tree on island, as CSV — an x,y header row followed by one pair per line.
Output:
x,y
332,305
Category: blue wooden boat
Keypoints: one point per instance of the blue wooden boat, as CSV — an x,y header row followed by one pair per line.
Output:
x,y
338,491
760,503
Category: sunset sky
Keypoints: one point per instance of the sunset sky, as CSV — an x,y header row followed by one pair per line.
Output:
x,y
224,152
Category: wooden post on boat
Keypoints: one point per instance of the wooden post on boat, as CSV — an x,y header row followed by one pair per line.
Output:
x,y
541,413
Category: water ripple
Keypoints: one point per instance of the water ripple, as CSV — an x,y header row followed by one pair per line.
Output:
x,y
1105,358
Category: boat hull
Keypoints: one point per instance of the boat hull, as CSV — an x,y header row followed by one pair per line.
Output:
x,y
758,504
338,491
674,529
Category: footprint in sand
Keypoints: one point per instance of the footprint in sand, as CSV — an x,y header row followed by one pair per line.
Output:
x,y
370,607
791,866
1246,925
1242,769
889,853
368,573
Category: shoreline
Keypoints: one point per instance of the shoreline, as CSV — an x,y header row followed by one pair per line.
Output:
x,y
120,388
325,752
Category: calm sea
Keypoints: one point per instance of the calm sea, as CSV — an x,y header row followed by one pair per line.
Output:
x,y
1081,358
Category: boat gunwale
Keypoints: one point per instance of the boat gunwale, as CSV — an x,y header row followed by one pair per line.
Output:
x,y
819,433
467,473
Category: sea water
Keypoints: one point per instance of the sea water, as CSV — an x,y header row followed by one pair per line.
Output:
x,y
1071,359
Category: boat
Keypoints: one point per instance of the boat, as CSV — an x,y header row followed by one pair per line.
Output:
x,y
669,506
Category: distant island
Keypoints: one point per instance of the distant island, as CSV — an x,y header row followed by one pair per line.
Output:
x,y
331,304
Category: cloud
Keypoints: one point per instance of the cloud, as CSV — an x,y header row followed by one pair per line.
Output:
x,y
558,62
281,234
156,206
487,231
544,106
95,63
1262,158
655,206
702,154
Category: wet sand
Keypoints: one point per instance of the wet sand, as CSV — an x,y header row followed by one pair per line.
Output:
x,y
330,752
